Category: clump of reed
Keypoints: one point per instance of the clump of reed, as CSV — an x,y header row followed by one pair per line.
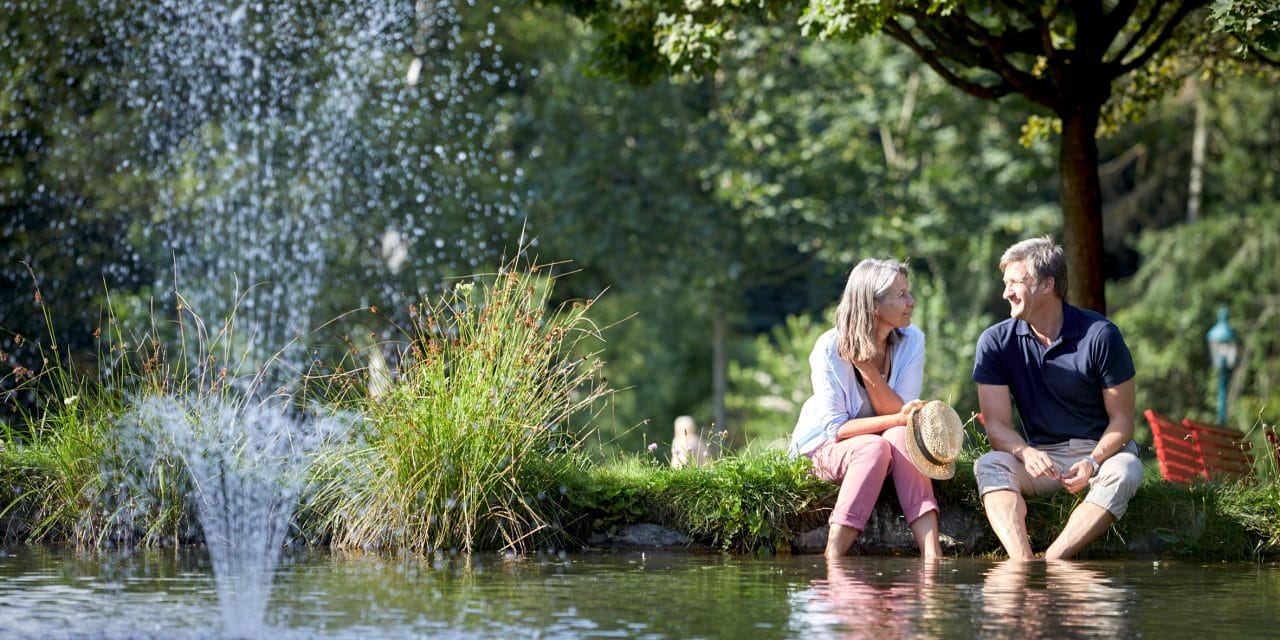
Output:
x,y
65,459
90,471
475,443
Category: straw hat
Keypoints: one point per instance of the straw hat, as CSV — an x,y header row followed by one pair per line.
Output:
x,y
934,438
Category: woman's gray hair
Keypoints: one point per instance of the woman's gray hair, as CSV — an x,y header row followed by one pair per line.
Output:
x,y
1042,259
868,283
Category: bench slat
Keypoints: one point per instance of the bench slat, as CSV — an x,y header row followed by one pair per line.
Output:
x,y
1176,451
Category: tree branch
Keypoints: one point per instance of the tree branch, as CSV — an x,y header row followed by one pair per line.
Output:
x,y
1166,32
1114,22
933,58
1262,56
978,47
1140,35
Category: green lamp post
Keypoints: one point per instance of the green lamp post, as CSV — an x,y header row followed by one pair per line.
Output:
x,y
1223,349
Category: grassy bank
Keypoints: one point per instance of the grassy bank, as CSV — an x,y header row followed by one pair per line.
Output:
x,y
472,442
766,501
750,504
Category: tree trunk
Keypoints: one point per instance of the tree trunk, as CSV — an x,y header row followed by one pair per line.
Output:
x,y
1199,140
1082,206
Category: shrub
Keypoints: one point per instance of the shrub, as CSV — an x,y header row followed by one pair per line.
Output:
x,y
472,446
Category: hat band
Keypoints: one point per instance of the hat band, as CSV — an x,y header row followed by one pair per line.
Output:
x,y
924,448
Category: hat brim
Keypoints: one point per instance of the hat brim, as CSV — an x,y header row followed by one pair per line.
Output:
x,y
933,470
936,471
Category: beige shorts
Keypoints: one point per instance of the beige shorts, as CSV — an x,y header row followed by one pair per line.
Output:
x,y
1111,488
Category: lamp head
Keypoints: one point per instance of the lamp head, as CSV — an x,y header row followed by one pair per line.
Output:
x,y
1223,345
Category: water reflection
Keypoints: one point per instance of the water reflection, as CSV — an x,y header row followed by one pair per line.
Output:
x,y
858,599
56,593
1055,599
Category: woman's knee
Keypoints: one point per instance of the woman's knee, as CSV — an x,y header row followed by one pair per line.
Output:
x,y
879,456
895,436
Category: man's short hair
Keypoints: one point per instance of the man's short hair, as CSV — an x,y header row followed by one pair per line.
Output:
x,y
1042,259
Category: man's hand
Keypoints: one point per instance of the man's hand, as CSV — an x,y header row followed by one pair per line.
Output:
x,y
1039,464
1077,477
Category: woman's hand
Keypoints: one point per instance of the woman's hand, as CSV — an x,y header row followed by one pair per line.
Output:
x,y
907,408
868,367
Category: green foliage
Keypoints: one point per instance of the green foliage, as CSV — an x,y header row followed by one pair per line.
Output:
x,y
68,199
746,503
1255,23
771,381
1188,272
473,444
657,363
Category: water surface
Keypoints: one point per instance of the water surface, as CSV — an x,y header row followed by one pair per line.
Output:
x,y
55,593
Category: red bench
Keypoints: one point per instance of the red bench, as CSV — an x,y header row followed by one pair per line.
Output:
x,y
1188,450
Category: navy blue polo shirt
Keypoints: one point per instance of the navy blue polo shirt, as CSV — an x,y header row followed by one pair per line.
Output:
x,y
1058,388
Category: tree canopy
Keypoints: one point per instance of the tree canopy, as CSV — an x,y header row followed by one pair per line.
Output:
x,y
1084,63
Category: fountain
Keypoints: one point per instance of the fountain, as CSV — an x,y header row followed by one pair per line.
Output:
x,y
304,159
311,152
248,463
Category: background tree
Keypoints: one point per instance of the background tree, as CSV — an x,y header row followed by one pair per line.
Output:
x,y
751,192
1086,63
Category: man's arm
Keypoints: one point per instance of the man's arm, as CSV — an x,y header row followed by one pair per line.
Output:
x,y
1118,401
997,414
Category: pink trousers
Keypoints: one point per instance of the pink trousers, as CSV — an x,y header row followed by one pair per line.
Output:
x,y
860,464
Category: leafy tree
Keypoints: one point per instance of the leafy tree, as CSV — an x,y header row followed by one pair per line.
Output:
x,y
1255,24
624,182
71,182
1191,270
1086,63
1225,257
755,189
139,135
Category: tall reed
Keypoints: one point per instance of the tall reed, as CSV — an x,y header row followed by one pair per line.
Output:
x,y
90,473
66,453
474,444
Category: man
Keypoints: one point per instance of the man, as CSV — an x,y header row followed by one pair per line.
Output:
x,y
1071,376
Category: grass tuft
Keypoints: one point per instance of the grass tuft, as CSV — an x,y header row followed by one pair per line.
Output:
x,y
475,444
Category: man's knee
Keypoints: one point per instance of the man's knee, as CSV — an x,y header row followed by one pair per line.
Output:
x,y
994,471
1118,480
1123,471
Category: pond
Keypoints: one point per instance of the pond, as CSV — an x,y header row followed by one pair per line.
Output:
x,y
56,593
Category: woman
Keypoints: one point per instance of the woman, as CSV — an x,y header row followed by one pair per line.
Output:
x,y
867,373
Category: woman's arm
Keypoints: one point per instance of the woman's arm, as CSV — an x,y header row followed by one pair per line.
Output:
x,y
909,377
877,424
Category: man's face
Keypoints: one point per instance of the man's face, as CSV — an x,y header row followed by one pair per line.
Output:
x,y
1024,293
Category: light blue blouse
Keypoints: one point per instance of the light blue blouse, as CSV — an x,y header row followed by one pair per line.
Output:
x,y
839,397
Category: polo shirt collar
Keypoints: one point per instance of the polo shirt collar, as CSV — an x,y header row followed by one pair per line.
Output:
x,y
1073,324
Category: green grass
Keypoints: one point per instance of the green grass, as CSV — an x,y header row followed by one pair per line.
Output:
x,y
760,502
476,441
477,444
86,476
748,503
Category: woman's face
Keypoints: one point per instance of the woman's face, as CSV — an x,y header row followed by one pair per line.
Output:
x,y
895,308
